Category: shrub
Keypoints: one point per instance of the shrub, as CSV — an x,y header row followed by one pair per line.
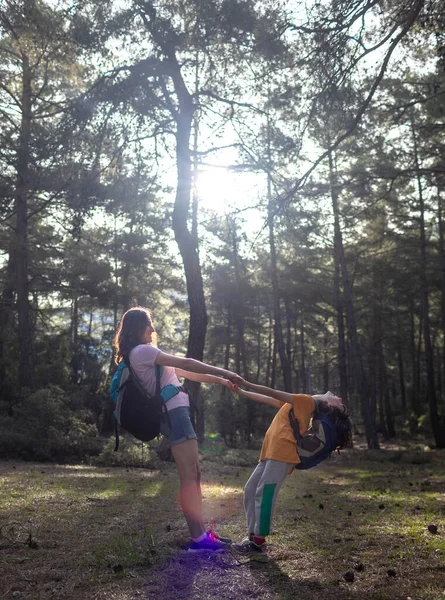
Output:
x,y
43,427
131,454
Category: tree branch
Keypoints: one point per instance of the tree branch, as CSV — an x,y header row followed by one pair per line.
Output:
x,y
410,20
232,103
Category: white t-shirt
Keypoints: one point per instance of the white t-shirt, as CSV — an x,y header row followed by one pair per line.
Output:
x,y
142,360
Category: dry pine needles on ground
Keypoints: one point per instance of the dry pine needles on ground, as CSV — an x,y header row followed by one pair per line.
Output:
x,y
364,525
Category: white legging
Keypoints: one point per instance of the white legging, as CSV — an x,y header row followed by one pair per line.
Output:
x,y
261,492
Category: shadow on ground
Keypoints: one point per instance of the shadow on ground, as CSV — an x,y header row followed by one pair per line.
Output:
x,y
229,576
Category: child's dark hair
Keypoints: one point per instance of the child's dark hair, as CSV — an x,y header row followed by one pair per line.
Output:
x,y
129,333
339,417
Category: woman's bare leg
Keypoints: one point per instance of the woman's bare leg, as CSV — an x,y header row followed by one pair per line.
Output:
x,y
187,462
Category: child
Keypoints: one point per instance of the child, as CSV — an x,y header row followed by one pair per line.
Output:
x,y
279,454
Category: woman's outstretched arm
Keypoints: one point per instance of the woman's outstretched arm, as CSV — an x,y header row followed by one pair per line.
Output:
x,y
204,378
196,366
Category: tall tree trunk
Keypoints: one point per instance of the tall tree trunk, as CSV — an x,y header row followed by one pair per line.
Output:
x,y
326,363
386,396
442,269
26,337
7,332
288,333
416,409
437,422
303,354
372,370
401,375
279,337
75,342
126,294
386,415
113,367
188,240
183,114
341,346
260,331
362,383
270,347
273,374
225,404
380,402
239,309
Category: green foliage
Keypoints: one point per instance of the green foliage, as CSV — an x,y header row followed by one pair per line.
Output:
x,y
42,427
240,458
132,453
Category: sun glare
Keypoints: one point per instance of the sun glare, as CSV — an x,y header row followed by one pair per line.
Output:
x,y
225,191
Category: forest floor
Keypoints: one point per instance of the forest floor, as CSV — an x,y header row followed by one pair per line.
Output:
x,y
94,533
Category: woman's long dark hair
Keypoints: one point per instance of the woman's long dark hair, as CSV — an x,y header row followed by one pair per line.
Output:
x,y
129,333
339,417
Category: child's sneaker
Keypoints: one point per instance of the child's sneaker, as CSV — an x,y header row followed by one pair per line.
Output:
x,y
248,546
224,540
209,543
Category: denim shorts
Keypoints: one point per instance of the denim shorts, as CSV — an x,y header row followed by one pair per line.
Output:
x,y
181,426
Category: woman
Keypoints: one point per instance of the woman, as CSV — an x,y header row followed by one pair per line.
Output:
x,y
134,338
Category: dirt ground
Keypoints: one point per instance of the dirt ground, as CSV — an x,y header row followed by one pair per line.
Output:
x,y
364,525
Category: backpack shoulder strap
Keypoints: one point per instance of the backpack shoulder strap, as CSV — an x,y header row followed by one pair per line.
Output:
x,y
295,425
158,380
158,370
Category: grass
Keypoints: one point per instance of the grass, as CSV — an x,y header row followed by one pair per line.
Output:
x,y
82,532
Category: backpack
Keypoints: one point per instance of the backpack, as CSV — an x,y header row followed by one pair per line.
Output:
x,y
136,411
317,444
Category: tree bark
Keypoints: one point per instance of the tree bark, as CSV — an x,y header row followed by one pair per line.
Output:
x,y
279,337
437,422
7,332
26,337
270,347
227,427
416,409
259,345
288,334
75,342
183,114
325,363
442,269
188,247
362,383
389,414
239,310
303,354
341,347
273,375
401,375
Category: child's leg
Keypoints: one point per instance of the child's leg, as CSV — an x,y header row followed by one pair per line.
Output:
x,y
250,493
273,474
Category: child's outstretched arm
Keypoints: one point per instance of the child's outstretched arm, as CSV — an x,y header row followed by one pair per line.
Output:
x,y
259,397
270,392
328,397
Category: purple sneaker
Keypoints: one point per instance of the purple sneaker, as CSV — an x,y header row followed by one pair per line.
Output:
x,y
224,540
210,543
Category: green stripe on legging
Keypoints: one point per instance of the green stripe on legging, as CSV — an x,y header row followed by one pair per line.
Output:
x,y
266,508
